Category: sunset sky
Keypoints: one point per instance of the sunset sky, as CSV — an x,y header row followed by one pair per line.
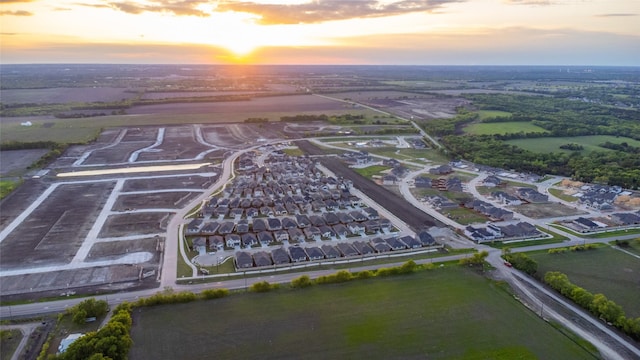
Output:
x,y
438,32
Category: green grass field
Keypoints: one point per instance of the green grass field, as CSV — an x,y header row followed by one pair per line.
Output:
x,y
485,114
590,143
448,313
604,270
372,170
502,128
9,340
561,195
7,186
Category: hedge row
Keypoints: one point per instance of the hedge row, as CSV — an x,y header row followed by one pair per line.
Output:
x,y
597,304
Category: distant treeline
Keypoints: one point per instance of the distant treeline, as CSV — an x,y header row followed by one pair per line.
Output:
x,y
561,118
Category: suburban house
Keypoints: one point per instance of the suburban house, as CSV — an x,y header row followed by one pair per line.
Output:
x,y
265,238
280,256
249,239
531,195
330,251
233,240
261,258
380,245
243,260
297,254
314,253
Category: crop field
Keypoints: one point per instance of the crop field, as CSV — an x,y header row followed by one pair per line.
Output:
x,y
604,270
65,95
424,315
156,95
552,144
502,128
52,233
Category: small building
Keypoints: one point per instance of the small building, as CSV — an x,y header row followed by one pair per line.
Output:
x,y
261,258
66,342
280,256
297,254
243,260
233,240
314,253
249,239
330,252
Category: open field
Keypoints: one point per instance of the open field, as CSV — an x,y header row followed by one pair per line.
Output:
x,y
552,144
485,114
502,128
604,270
52,233
425,315
372,170
65,95
560,194
9,340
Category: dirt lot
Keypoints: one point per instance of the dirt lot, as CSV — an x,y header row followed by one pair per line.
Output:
x,y
135,224
177,143
16,202
111,250
412,216
54,283
162,200
179,182
545,210
52,233
17,161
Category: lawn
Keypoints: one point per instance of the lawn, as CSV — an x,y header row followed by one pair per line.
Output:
x,y
372,170
7,186
464,216
561,195
552,144
604,270
440,314
502,128
9,341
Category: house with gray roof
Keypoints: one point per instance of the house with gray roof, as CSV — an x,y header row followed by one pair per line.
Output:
x,y
303,221
216,243
314,253
259,225
296,235
261,258
233,240
330,251
410,242
363,248
425,238
265,238
226,227
249,239
312,233
297,254
347,250
243,260
280,256
380,245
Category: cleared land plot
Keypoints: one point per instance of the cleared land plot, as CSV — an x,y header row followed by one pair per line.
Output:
x,y
604,270
65,95
18,160
424,315
179,142
116,154
53,282
502,128
162,200
52,233
135,224
552,144
61,131
195,182
111,250
19,199
546,210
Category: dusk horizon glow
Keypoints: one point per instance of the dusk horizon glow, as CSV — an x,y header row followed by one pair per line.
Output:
x,y
362,32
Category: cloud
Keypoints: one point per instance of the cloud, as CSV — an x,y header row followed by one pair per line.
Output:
x,y
530,2
14,1
616,15
176,7
328,10
16,13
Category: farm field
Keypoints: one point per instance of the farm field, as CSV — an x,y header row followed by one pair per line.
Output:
x,y
552,144
424,315
65,95
604,270
502,128
372,170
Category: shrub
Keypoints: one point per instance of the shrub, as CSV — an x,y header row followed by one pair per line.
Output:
x,y
214,293
262,286
366,274
301,282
